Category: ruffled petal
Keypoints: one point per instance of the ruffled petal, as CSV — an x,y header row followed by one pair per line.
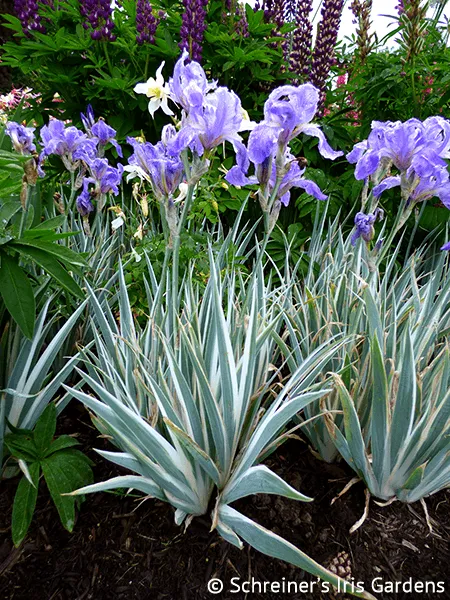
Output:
x,y
236,176
386,184
312,189
367,164
324,147
357,152
262,142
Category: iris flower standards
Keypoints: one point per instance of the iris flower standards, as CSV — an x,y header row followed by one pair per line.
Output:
x,y
417,151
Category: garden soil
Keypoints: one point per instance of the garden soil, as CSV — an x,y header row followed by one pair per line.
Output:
x,y
126,548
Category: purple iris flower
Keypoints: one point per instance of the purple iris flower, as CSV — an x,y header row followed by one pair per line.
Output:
x,y
100,131
68,142
446,246
105,135
157,163
288,111
21,137
217,120
105,177
88,119
438,135
407,145
422,182
84,203
189,86
364,225
266,176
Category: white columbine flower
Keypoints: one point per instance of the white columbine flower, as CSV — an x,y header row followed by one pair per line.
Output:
x,y
157,91
118,222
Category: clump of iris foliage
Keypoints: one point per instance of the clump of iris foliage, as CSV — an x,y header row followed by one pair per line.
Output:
x,y
197,351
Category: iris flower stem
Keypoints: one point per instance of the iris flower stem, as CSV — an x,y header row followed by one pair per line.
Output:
x,y
416,226
165,226
400,220
176,253
73,191
267,226
24,216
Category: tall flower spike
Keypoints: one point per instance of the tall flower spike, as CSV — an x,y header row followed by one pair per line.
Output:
x,y
300,57
361,10
323,56
242,24
98,16
414,27
192,27
28,13
146,22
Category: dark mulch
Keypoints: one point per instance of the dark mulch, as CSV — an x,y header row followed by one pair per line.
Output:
x,y
125,549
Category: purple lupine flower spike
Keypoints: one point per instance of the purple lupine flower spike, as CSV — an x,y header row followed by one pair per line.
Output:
x,y
98,17
300,57
242,24
323,54
146,22
192,27
28,13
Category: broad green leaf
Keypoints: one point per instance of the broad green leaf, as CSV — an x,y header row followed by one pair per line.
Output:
x,y
24,504
64,472
17,294
61,443
50,264
45,428
22,446
62,253
51,224
8,210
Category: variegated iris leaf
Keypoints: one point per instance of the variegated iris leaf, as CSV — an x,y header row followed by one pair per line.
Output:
x,y
193,420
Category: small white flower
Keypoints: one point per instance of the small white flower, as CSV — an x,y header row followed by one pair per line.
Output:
x,y
246,124
183,189
116,223
137,257
157,91
136,171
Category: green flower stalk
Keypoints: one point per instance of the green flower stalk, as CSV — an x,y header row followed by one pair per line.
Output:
x,y
364,39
